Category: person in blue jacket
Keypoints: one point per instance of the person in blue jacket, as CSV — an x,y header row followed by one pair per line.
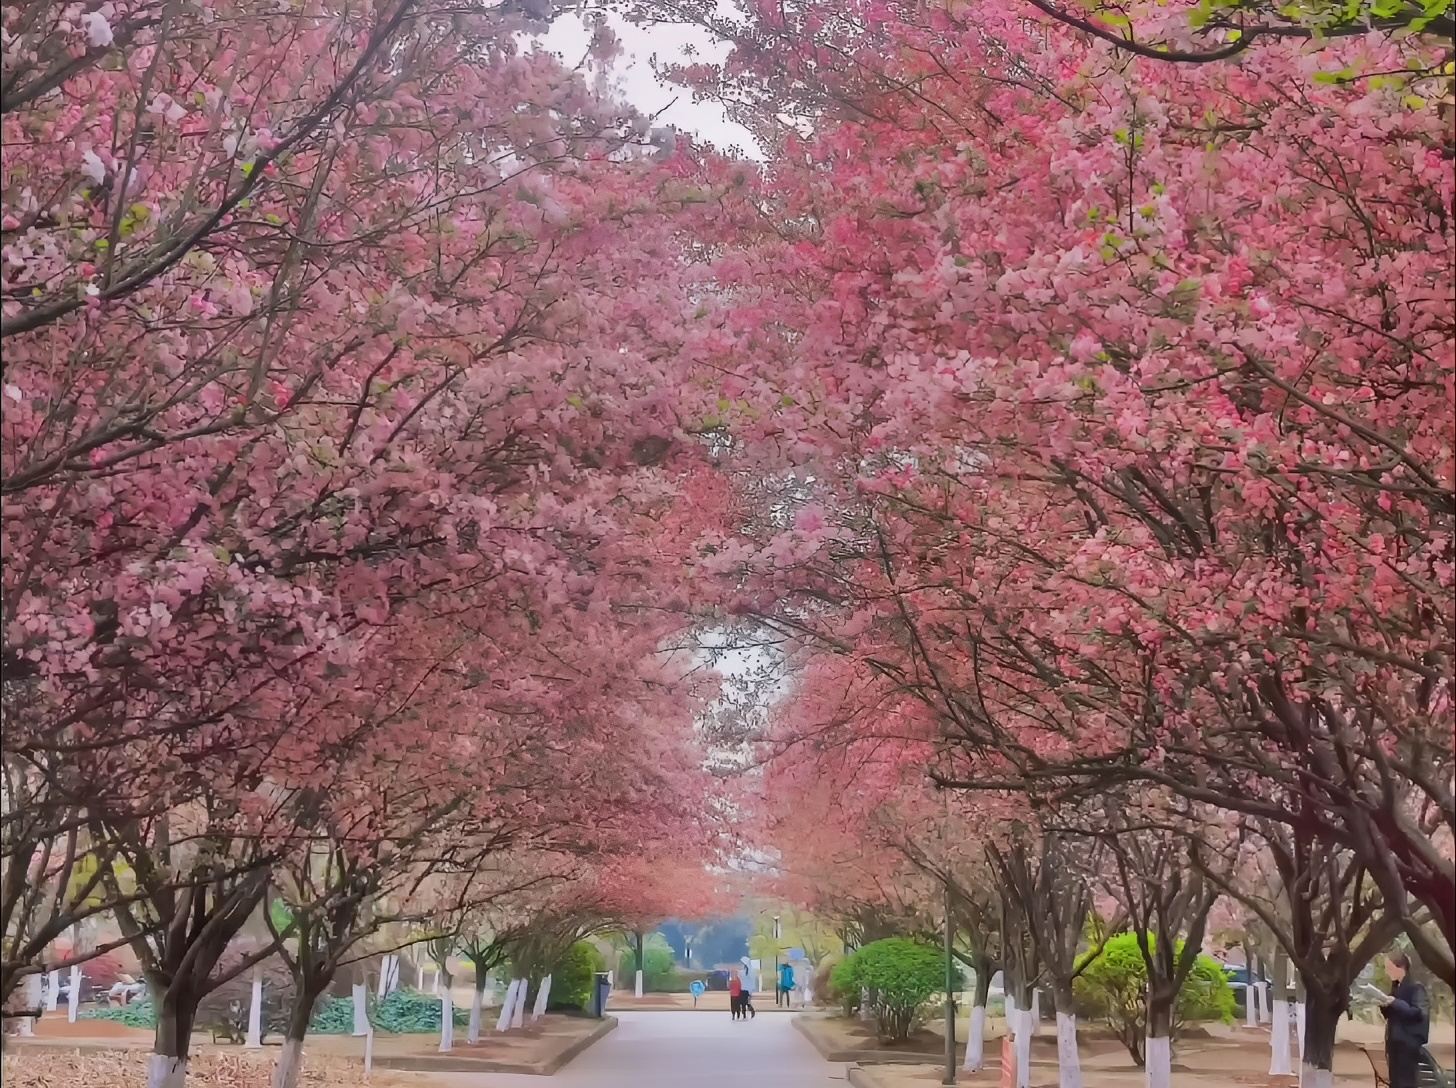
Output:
x,y
786,983
1407,1013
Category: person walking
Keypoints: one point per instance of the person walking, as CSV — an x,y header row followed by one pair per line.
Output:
x,y
1407,1013
735,995
745,1004
786,985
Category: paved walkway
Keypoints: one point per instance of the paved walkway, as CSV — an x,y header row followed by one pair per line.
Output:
x,y
688,1050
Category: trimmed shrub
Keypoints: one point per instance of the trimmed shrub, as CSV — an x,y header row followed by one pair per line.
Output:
x,y
1114,988
900,974
844,988
139,1014
572,977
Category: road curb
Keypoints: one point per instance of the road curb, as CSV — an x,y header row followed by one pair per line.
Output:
x,y
450,1063
861,1055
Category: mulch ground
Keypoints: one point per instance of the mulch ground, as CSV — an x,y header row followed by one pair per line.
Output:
x,y
53,1068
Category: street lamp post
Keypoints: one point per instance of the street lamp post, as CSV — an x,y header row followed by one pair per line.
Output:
x,y
688,950
777,937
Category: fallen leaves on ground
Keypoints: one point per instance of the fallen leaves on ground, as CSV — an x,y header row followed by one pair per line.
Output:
x,y
52,1068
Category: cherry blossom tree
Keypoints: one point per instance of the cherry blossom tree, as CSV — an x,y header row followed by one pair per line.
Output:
x,y
1099,452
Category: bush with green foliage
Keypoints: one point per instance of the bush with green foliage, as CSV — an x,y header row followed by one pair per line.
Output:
x,y
659,969
843,987
1114,988
900,974
139,1014
573,975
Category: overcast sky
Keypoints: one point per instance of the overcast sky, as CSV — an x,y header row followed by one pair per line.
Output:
x,y
639,85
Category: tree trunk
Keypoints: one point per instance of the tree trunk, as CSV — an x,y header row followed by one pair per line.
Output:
x,y
477,1003
360,994
290,1059
1069,1059
1158,1053
976,1037
1321,1019
443,980
1279,1056
503,1021
1018,1023
518,1018
168,1065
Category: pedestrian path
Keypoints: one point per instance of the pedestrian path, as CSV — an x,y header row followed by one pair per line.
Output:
x,y
688,1050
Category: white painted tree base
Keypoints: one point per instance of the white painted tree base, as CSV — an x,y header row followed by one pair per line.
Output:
x,y
1159,1055
1251,1006
290,1064
1022,1033
1069,1060
165,1072
447,1022
503,1021
518,1014
73,997
1280,1059
543,995
1299,1028
477,1005
361,1010
1310,1077
976,1040
53,991
254,1040
637,988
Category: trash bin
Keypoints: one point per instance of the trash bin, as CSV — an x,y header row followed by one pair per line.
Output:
x,y
600,991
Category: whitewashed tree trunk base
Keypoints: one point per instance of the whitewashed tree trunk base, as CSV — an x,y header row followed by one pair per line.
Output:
x,y
1299,1028
369,1052
976,1040
543,995
73,998
361,1010
1035,1016
290,1064
1251,1010
503,1021
1310,1077
53,991
447,1022
637,988
1159,1056
254,1040
1069,1059
1022,1033
518,1014
165,1072
1280,1063
477,1004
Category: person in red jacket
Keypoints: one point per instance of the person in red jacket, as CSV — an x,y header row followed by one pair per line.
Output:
x,y
735,995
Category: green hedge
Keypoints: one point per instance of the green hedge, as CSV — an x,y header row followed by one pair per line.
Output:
x,y
139,1014
403,1012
